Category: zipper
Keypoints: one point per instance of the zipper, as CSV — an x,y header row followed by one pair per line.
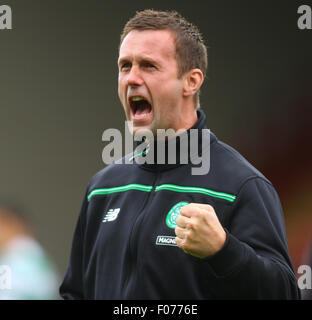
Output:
x,y
131,250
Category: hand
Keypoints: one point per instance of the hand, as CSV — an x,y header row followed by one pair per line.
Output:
x,y
199,231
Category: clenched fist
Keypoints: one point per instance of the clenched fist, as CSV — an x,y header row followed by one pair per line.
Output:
x,y
199,231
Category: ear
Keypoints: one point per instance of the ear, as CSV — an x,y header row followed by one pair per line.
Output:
x,y
192,82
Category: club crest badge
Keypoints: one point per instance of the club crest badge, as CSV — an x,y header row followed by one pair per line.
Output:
x,y
174,213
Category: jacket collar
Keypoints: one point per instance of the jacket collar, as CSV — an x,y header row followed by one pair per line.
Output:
x,y
176,151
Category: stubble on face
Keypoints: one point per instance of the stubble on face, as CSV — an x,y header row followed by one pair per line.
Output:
x,y
148,69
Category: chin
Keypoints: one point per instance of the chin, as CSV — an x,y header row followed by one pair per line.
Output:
x,y
143,131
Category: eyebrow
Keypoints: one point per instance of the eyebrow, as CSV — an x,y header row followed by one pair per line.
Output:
x,y
141,59
122,61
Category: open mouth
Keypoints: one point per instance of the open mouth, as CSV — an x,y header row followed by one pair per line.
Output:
x,y
140,107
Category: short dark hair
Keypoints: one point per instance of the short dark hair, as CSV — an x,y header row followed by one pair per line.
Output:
x,y
191,52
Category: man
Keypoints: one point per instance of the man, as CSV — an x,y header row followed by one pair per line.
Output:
x,y
157,231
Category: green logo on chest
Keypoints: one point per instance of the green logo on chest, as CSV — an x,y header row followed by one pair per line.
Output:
x,y
174,213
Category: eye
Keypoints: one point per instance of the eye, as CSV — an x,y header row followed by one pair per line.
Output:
x,y
125,66
149,65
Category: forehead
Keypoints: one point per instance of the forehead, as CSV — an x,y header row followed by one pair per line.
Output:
x,y
154,43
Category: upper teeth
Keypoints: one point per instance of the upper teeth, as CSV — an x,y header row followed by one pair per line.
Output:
x,y
137,98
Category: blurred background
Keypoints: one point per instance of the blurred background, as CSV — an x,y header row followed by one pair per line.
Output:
x,y
58,93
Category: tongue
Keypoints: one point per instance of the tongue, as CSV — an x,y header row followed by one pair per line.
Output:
x,y
143,109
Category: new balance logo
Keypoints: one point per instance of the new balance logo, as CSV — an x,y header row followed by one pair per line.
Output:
x,y
111,215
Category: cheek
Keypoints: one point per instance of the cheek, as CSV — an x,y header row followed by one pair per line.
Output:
x,y
121,90
169,95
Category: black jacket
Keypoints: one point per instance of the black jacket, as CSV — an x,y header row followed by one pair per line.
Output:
x,y
123,246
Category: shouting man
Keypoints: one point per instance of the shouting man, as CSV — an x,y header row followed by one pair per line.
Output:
x,y
157,231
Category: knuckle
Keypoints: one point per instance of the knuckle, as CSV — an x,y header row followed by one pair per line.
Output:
x,y
210,210
190,224
194,224
196,212
179,243
178,220
210,215
187,237
184,244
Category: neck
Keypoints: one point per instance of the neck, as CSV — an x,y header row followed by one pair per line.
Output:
x,y
189,116
173,151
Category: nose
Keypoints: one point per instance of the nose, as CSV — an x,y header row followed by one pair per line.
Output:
x,y
134,77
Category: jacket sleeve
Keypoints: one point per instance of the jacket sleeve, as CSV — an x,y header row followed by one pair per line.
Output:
x,y
72,285
254,263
